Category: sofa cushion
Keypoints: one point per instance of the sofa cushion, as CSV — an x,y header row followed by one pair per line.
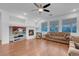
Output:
x,y
76,45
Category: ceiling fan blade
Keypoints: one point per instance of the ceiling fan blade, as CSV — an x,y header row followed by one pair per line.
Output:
x,y
46,10
45,6
36,5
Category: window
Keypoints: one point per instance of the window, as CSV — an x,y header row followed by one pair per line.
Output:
x,y
44,27
54,26
69,25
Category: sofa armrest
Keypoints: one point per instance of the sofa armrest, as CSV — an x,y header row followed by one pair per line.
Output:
x,y
73,52
71,44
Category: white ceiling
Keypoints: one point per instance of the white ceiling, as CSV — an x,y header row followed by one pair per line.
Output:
x,y
55,8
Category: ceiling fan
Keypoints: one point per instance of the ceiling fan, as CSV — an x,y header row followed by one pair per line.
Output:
x,y
41,8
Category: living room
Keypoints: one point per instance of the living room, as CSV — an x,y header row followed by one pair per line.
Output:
x,y
26,27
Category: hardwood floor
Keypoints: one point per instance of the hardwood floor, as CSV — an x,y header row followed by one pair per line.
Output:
x,y
35,47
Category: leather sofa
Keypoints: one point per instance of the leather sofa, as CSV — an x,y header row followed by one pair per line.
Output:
x,y
61,37
74,47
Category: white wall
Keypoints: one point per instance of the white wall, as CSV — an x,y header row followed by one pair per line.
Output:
x,y
16,21
4,27
0,25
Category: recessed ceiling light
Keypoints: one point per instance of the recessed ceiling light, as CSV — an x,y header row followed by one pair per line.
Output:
x,y
74,10
36,20
25,14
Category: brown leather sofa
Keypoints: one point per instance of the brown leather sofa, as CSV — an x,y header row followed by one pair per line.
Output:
x,y
74,47
61,37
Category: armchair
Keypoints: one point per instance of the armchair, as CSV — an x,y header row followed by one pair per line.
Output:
x,y
73,48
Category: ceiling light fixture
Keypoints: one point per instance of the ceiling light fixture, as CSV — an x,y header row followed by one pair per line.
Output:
x,y
40,9
74,10
25,14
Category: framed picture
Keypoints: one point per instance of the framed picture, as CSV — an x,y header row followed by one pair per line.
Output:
x,y
31,32
38,35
